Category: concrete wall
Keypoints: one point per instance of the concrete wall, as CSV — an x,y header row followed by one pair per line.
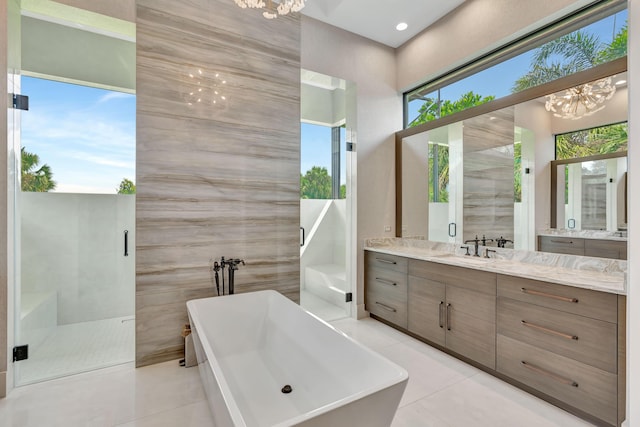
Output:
x,y
213,179
371,67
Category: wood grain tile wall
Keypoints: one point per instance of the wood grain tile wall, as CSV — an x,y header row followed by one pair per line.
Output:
x,y
218,168
488,175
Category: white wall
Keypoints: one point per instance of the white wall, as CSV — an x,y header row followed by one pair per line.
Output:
x,y
371,67
73,245
322,106
326,239
471,30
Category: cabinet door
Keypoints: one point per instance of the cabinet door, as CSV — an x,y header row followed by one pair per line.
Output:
x,y
471,324
427,309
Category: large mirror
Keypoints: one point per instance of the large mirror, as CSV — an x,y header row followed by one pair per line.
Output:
x,y
590,193
488,171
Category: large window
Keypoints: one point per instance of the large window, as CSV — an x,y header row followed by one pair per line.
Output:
x,y
562,53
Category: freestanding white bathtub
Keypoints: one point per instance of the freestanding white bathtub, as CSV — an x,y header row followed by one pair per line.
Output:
x,y
250,346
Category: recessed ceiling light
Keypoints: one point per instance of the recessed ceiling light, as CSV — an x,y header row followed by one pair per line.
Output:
x,y
401,26
620,82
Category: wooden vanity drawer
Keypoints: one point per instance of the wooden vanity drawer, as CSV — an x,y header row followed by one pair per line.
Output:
x,y
384,261
584,387
388,306
561,245
585,302
386,295
587,340
614,249
468,278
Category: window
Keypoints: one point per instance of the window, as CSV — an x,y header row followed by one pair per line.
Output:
x,y
77,139
550,56
322,164
600,140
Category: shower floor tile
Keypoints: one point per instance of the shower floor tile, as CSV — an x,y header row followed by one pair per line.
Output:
x,y
80,347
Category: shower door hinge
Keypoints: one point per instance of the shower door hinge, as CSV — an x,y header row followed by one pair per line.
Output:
x,y
20,352
351,146
20,102
348,297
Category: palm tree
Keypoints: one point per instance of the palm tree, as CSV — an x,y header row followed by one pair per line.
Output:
x,y
34,178
569,54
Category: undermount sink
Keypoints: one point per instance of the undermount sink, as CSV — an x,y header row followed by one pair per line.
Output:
x,y
468,259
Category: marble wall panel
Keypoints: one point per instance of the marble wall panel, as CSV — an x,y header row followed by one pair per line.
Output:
x,y
213,178
488,175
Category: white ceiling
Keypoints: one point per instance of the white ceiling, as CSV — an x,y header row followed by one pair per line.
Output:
x,y
377,19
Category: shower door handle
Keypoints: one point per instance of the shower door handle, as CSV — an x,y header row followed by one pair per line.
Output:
x,y
126,242
302,229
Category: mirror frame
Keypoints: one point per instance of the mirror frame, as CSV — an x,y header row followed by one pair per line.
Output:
x,y
554,180
604,70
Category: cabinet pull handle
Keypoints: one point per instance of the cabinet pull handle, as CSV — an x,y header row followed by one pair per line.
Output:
x,y
386,307
440,307
386,282
448,316
551,375
549,331
564,242
386,261
552,296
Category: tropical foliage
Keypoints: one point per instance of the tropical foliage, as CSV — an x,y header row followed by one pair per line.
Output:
x,y
34,178
316,184
126,187
600,140
569,54
432,109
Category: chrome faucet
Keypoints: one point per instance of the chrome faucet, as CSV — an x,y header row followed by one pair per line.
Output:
x,y
476,245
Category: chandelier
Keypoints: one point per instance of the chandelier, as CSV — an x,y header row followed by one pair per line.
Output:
x,y
272,8
582,100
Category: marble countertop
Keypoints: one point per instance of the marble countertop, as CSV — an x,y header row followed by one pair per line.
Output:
x,y
584,234
598,274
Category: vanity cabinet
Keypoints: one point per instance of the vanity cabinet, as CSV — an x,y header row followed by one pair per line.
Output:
x,y
602,248
386,287
561,341
455,308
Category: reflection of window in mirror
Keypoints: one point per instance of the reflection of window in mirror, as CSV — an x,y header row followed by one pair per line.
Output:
x,y
590,142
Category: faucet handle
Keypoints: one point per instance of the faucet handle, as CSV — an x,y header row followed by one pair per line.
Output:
x,y
467,248
486,252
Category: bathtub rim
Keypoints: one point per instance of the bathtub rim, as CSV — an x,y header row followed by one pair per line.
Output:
x,y
400,374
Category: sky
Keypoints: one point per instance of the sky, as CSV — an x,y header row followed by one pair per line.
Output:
x,y
498,80
87,135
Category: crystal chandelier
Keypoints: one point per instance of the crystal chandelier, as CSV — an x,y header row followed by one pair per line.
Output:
x,y
272,8
582,100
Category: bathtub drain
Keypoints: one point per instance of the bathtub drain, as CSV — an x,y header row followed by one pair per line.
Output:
x,y
286,389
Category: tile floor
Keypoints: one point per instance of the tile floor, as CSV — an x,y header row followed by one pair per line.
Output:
x,y
80,347
442,392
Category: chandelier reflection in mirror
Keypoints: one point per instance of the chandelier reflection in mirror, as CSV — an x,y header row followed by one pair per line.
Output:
x,y
272,8
582,100
205,89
